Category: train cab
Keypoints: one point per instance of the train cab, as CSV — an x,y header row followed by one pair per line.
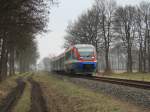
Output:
x,y
86,59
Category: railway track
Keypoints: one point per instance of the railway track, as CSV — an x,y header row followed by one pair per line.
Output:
x,y
125,82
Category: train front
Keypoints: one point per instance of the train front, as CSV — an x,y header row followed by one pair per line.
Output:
x,y
87,61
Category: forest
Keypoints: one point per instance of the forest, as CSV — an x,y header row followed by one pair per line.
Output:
x,y
110,27
20,22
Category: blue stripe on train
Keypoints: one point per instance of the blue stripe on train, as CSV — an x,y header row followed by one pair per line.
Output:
x,y
80,65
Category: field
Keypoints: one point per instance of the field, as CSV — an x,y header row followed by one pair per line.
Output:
x,y
57,95
131,76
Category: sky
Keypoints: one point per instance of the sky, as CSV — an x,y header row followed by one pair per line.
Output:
x,y
52,42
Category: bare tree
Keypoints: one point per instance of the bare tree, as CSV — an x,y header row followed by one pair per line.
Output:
x,y
145,13
140,40
125,27
106,9
84,30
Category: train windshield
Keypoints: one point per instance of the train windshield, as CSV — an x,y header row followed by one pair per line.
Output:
x,y
86,52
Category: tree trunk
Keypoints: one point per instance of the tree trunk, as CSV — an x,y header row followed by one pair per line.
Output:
x,y
129,59
3,59
21,65
11,60
148,51
107,69
1,45
140,58
145,53
4,65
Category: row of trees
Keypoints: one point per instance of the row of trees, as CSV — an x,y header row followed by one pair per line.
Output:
x,y
20,22
107,25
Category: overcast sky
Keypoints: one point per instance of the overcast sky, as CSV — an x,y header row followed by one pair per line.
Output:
x,y
68,10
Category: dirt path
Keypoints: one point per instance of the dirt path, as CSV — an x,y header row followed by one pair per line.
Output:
x,y
9,102
38,103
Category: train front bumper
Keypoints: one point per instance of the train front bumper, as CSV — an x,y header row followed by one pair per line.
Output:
x,y
85,67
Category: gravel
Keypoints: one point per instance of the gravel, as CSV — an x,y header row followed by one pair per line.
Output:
x,y
139,97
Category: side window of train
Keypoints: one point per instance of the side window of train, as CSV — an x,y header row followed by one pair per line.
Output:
x,y
70,55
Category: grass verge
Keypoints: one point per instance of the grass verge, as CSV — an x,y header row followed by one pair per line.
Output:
x,y
131,76
7,85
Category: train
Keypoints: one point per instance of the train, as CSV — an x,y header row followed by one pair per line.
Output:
x,y
77,59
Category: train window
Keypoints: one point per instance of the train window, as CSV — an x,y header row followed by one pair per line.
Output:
x,y
86,52
74,55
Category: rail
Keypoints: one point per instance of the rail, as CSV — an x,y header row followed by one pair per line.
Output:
x,y
126,82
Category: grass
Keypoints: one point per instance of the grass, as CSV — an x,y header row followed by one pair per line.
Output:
x,y
70,97
6,86
132,76
24,102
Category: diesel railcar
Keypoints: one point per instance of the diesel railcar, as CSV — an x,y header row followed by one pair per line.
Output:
x,y
78,59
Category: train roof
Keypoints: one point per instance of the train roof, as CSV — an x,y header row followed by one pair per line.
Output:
x,y
83,45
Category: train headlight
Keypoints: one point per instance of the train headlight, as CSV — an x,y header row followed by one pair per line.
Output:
x,y
93,57
81,57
